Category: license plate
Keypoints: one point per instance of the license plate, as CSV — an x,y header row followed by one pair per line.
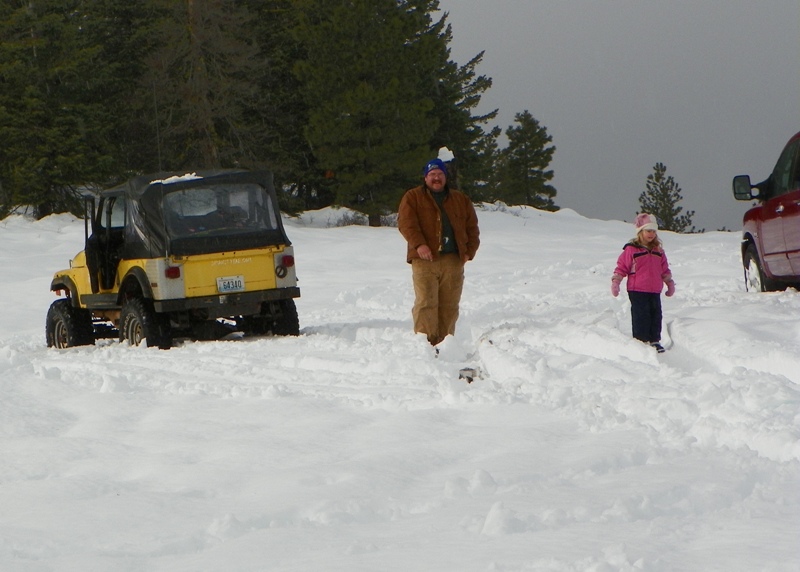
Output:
x,y
230,284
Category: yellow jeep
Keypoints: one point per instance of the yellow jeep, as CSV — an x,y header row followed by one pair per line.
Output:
x,y
196,255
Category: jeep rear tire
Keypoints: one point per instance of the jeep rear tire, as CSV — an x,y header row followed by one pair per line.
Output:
x,y
279,317
287,324
754,278
67,326
139,323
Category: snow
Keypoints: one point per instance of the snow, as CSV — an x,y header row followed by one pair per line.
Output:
x,y
351,448
446,154
176,179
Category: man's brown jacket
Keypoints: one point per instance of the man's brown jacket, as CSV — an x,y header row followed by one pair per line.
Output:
x,y
419,221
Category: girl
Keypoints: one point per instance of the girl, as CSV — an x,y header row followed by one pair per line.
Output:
x,y
644,263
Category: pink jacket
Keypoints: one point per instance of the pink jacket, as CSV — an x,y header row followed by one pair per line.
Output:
x,y
646,270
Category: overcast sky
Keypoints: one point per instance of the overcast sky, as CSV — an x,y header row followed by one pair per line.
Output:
x,y
709,88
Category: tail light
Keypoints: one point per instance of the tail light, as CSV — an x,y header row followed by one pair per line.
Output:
x,y
172,272
287,261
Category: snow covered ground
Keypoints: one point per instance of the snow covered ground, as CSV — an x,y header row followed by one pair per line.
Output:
x,y
350,448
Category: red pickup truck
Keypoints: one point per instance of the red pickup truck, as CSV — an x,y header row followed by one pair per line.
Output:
x,y
771,229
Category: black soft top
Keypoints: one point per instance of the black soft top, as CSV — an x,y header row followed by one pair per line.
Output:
x,y
148,233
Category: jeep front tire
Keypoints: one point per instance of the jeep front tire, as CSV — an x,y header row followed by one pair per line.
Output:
x,y
67,326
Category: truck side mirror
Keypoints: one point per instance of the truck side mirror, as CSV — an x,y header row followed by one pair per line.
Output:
x,y
742,189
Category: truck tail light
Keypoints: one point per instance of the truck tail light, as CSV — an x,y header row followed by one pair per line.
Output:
x,y
287,261
172,272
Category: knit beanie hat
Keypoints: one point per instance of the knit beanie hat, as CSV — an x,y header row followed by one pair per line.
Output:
x,y
434,164
645,221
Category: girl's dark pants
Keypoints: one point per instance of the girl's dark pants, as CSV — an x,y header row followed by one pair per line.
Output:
x,y
646,316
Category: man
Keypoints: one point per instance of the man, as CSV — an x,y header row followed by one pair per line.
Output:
x,y
441,228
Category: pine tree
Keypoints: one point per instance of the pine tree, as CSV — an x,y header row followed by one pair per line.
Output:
x,y
485,178
208,83
343,100
661,199
54,125
127,34
198,83
280,112
458,92
369,123
455,91
523,178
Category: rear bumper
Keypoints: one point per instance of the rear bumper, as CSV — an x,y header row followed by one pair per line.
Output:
x,y
227,304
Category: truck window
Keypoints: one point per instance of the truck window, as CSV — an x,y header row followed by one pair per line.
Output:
x,y
786,170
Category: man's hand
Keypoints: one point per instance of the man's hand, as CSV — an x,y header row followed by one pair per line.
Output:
x,y
424,252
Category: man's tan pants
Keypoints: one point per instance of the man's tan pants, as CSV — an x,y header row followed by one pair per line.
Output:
x,y
437,287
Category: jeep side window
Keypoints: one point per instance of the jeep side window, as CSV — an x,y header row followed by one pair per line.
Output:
x,y
113,215
271,216
263,209
784,177
117,219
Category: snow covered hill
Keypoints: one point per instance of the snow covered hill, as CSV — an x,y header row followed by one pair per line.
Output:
x,y
351,448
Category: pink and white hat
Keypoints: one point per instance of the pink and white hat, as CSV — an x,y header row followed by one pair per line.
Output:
x,y
645,221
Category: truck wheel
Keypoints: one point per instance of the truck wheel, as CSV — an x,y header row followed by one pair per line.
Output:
x,y
288,323
67,326
754,278
139,323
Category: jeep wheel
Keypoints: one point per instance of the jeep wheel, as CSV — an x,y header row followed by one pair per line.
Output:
x,y
279,317
754,278
287,324
67,326
139,323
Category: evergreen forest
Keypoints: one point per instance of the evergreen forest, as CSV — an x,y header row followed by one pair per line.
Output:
x,y
343,100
